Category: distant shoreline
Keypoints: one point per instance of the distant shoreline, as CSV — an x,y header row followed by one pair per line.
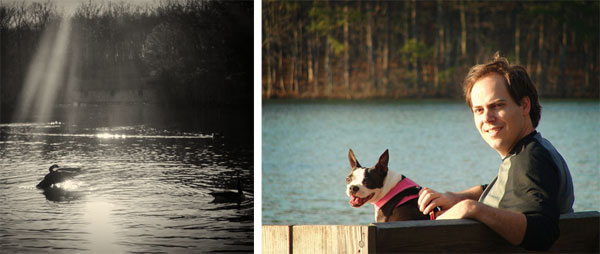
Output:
x,y
407,99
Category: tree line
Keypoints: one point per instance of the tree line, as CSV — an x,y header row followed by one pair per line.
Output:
x,y
408,49
196,53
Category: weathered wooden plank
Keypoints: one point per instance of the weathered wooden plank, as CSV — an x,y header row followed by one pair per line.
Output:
x,y
579,233
330,239
276,239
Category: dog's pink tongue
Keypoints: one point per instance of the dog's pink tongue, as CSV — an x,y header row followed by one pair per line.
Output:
x,y
354,200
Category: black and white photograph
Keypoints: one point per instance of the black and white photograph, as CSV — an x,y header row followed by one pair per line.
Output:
x,y
126,126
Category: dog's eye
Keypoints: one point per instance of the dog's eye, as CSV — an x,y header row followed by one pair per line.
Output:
x,y
348,180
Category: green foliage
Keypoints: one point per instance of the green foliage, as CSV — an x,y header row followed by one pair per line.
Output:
x,y
291,6
322,18
580,16
413,50
490,27
447,75
337,46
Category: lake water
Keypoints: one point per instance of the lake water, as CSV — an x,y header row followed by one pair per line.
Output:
x,y
435,143
144,187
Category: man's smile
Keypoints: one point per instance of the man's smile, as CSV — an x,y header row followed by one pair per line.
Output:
x,y
493,131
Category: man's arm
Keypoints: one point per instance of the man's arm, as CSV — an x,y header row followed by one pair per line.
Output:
x,y
508,224
458,205
528,215
429,199
472,193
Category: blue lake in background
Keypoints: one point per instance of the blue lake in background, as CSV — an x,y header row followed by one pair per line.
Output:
x,y
434,142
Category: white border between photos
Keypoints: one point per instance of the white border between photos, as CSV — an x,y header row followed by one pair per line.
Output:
x,y
257,127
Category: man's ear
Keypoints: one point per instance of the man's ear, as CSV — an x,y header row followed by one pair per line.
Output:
x,y
382,164
353,161
526,105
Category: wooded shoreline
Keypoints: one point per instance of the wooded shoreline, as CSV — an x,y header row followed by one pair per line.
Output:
x,y
423,49
186,54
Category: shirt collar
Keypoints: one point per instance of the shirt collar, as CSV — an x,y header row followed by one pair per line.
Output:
x,y
519,146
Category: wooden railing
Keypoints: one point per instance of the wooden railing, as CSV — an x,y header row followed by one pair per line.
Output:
x,y
579,232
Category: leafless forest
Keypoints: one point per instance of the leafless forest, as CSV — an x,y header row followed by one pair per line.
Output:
x,y
190,54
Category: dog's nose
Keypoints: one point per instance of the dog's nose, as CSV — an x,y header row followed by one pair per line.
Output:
x,y
354,188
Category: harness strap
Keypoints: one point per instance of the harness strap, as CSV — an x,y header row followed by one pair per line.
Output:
x,y
404,191
432,213
402,185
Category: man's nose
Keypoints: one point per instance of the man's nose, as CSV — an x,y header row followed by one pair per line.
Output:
x,y
490,116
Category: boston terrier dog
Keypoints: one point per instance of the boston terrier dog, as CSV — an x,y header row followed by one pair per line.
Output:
x,y
393,195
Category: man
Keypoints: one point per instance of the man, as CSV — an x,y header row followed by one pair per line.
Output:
x,y
533,186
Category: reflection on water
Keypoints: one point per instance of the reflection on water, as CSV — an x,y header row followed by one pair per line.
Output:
x,y
142,190
63,191
102,237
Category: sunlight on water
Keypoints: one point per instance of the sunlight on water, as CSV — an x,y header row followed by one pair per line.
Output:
x,y
110,136
68,185
102,237
113,136
25,129
45,74
133,195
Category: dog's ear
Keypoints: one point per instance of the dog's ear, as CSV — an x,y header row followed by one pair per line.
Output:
x,y
382,164
353,161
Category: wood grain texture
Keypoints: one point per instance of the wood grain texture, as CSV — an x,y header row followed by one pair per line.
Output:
x,y
579,233
330,239
276,239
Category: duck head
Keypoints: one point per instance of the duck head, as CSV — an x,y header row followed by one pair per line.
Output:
x,y
53,167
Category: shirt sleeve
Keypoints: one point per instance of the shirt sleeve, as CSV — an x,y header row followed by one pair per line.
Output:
x,y
534,179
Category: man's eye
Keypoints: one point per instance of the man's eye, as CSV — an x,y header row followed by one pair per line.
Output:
x,y
477,110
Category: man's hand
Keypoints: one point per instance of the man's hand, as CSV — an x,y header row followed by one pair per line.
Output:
x,y
510,225
429,199
462,210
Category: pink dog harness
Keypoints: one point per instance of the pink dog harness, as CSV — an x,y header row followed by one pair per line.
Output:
x,y
404,184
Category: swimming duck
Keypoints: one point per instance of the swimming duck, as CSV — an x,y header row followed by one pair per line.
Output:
x,y
57,175
228,196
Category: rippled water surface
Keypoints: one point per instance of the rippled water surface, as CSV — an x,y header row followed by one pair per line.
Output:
x,y
142,190
435,143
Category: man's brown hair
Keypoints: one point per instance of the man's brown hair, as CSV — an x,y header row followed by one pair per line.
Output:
x,y
516,80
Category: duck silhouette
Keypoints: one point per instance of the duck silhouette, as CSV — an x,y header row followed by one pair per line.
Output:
x,y
57,175
229,196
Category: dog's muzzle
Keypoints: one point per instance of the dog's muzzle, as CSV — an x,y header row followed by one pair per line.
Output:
x,y
357,201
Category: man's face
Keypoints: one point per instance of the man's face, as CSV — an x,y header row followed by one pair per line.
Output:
x,y
500,121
